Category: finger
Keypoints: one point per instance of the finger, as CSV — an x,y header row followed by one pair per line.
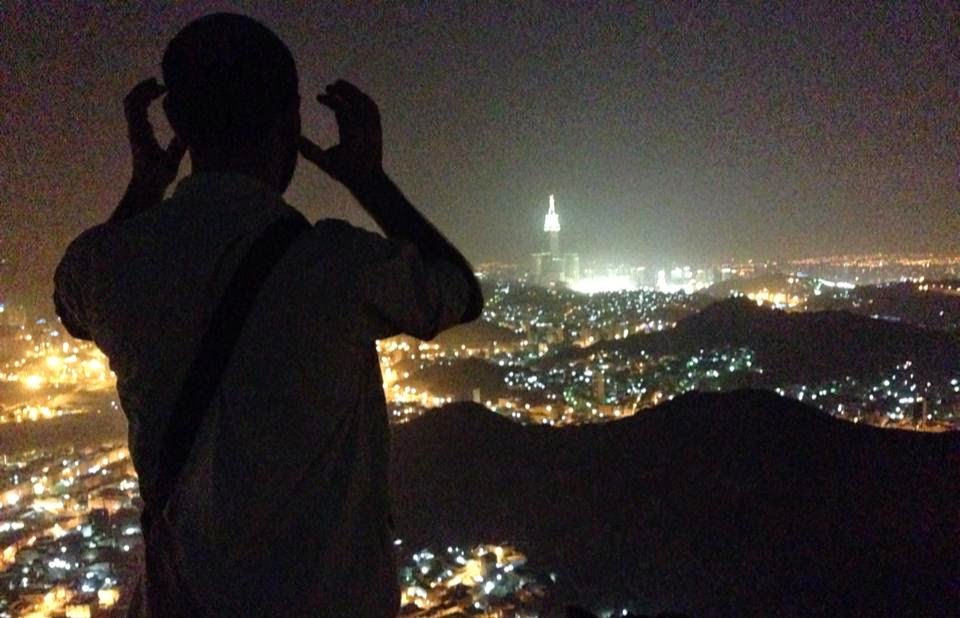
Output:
x,y
351,94
362,116
142,138
313,153
336,103
135,106
346,117
141,95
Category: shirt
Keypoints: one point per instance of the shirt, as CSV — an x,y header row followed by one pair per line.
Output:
x,y
283,506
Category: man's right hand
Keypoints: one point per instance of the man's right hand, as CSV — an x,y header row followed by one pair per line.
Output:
x,y
154,167
358,158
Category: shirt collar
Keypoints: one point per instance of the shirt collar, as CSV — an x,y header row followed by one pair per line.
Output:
x,y
227,185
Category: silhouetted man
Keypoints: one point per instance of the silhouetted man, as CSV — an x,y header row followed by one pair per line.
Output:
x,y
282,507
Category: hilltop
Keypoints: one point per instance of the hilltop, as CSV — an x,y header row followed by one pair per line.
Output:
x,y
800,347
476,333
724,503
458,378
933,304
771,281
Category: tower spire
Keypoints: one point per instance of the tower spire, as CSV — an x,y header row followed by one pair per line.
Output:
x,y
554,267
551,222
551,225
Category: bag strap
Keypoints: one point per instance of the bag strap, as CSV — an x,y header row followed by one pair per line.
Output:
x,y
215,351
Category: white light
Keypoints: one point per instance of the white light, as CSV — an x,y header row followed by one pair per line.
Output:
x,y
604,283
552,221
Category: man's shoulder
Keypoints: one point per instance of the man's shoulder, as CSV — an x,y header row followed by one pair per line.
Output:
x,y
359,243
339,228
88,244
80,270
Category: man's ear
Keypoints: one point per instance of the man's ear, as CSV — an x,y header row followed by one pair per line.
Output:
x,y
288,121
170,112
284,130
282,140
166,108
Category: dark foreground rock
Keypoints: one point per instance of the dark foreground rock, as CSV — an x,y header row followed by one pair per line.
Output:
x,y
739,503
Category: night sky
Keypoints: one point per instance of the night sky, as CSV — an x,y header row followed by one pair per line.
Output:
x,y
667,134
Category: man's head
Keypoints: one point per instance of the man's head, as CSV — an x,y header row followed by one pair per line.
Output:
x,y
233,97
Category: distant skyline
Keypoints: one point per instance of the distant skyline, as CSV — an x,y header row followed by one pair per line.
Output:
x,y
666,133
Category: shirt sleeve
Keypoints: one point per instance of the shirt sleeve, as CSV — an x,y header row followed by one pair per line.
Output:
x,y
70,286
400,292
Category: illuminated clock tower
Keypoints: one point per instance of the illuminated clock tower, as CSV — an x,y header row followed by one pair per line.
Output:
x,y
551,225
553,267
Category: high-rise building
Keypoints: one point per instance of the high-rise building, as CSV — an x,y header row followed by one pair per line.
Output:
x,y
553,267
551,225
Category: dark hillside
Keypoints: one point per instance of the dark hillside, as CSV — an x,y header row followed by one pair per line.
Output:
x,y
933,304
735,503
458,379
476,333
803,347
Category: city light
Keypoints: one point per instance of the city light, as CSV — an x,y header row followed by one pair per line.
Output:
x,y
608,283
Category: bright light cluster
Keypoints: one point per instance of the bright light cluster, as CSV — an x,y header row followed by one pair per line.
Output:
x,y
56,364
604,283
486,580
61,513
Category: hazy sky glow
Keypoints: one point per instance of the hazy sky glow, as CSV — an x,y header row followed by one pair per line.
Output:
x,y
673,133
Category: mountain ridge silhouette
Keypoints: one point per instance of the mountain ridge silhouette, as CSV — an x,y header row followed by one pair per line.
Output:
x,y
741,502
796,348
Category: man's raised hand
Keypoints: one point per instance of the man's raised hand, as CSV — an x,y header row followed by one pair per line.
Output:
x,y
154,167
358,157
